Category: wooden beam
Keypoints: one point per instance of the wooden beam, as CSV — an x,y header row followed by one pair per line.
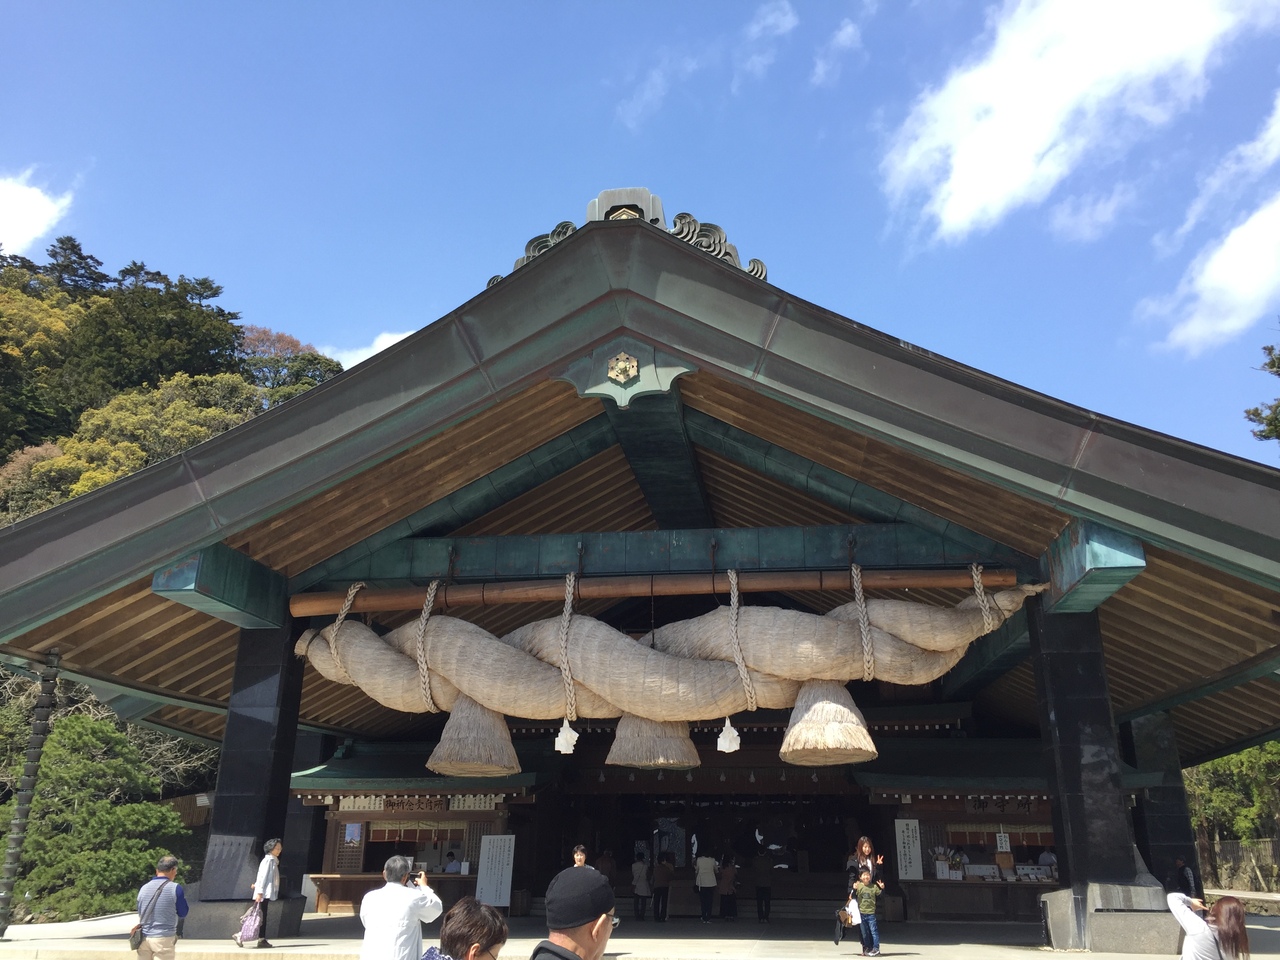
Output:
x,y
1266,663
651,432
1266,736
1087,563
477,498
644,552
989,658
837,489
665,585
226,584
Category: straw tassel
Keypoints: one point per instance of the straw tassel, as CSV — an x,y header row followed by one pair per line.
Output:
x,y
652,745
475,742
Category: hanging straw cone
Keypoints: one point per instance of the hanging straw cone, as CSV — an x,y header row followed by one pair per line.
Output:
x,y
475,742
652,745
826,729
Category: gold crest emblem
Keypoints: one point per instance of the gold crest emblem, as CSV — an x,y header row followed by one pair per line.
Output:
x,y
623,369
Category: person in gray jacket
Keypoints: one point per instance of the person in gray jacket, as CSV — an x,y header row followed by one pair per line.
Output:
x,y
161,902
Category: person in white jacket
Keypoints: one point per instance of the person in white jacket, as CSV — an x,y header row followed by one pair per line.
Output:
x,y
1222,937
393,914
266,887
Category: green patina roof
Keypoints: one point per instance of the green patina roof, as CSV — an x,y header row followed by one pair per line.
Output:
x,y
401,767
970,765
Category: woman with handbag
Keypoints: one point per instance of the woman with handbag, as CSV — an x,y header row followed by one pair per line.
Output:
x,y
266,887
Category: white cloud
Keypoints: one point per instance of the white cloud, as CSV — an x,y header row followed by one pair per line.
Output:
x,y
27,213
647,99
1087,218
758,51
1230,286
756,64
774,19
1241,167
1058,82
826,62
350,357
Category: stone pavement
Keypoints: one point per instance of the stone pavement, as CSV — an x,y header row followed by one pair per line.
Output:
x,y
338,938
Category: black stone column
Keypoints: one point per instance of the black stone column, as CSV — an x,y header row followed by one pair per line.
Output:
x,y
1081,752
1162,818
304,826
257,756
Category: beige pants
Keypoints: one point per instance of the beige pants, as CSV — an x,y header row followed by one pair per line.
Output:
x,y
157,948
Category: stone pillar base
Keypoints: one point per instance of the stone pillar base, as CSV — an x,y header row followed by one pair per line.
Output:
x,y
219,919
1110,918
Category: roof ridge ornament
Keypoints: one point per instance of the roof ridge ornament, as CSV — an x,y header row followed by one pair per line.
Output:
x,y
711,239
540,245
637,203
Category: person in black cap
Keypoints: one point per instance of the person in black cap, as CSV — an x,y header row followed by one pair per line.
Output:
x,y
580,916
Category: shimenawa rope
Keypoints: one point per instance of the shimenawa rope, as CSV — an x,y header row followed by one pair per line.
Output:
x,y
424,674
989,622
864,624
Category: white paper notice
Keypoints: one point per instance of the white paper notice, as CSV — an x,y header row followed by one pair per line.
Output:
x,y
493,875
910,866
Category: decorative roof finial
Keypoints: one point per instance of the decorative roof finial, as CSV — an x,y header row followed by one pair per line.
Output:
x,y
637,203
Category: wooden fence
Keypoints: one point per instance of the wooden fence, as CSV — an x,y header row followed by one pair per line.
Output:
x,y
1242,865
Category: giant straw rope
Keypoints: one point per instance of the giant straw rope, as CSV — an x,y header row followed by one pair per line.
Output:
x,y
730,660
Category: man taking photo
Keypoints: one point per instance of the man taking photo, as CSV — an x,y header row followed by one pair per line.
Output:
x,y
393,915
580,916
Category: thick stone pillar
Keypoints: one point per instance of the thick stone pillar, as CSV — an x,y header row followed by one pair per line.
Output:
x,y
1081,751
304,826
1162,818
252,795
1101,907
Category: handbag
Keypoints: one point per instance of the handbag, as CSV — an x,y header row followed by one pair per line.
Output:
x,y
250,925
135,935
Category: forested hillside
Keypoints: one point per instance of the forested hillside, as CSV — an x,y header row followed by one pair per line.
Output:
x,y
103,375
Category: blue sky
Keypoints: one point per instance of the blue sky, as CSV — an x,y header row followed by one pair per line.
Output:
x,y
1082,197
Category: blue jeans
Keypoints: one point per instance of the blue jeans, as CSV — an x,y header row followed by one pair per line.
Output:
x,y
869,932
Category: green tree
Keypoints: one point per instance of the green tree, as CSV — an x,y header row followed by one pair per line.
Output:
x,y
72,269
147,329
36,320
91,836
95,832
141,427
1267,416
1237,797
14,260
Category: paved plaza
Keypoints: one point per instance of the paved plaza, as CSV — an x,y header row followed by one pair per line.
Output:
x,y
325,937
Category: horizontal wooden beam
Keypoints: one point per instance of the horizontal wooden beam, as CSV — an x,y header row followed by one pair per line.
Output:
x,y
839,490
1266,736
614,588
525,473
645,552
1260,665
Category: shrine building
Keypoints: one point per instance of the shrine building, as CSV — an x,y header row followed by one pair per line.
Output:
x,y
634,550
